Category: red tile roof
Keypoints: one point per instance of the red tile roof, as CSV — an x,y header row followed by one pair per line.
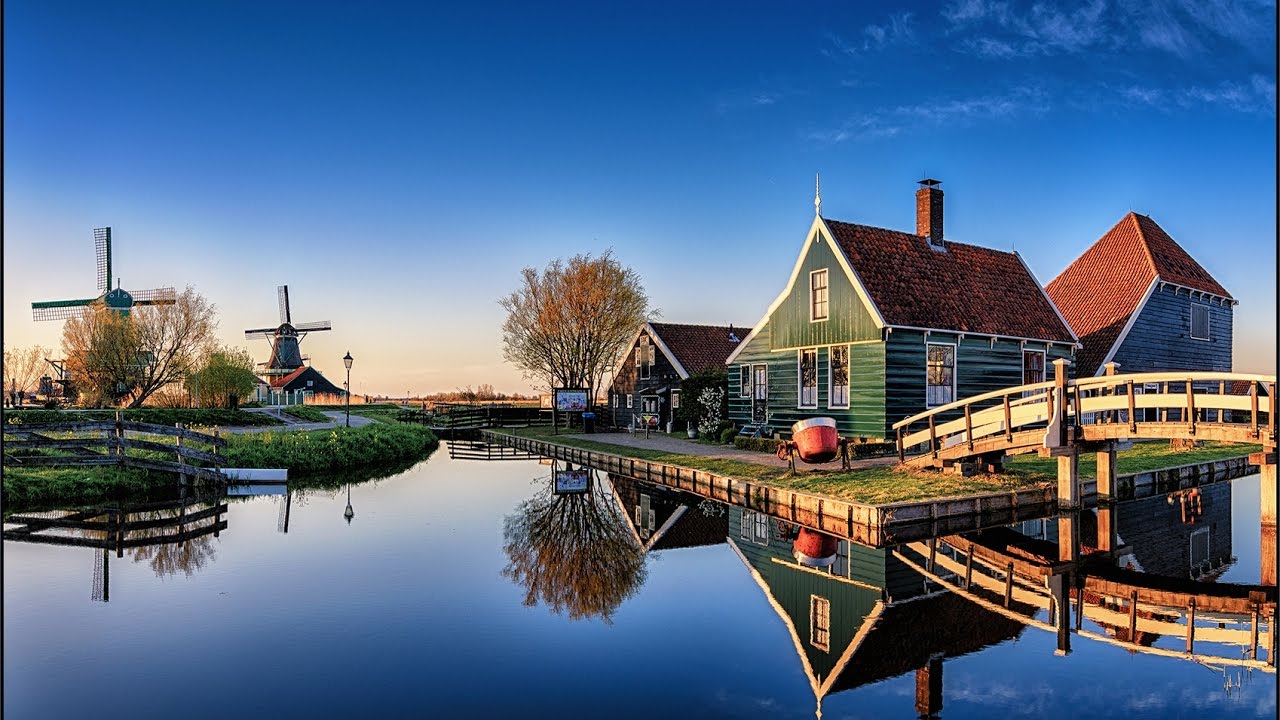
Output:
x,y
1100,290
700,347
965,288
279,381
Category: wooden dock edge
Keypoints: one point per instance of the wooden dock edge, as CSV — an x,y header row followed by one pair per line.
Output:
x,y
859,521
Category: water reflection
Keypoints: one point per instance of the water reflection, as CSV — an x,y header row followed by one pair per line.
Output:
x,y
172,537
573,550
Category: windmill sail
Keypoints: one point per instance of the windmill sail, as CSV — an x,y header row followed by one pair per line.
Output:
x,y
113,299
286,354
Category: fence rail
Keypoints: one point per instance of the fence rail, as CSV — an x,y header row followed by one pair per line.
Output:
x,y
196,454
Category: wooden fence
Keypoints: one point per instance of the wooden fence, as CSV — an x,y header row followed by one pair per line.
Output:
x,y
119,442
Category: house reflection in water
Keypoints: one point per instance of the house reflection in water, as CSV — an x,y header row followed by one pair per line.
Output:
x,y
864,618
662,518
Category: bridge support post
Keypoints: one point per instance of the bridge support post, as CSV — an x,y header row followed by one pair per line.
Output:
x,y
1069,537
1107,535
929,688
1069,480
1266,462
1060,590
1107,472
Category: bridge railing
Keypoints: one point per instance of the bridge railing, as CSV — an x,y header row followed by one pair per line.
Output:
x,y
1209,405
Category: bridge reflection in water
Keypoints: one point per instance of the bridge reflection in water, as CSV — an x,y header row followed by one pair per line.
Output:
x,y
1139,573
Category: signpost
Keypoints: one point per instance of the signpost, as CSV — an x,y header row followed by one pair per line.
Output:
x,y
567,400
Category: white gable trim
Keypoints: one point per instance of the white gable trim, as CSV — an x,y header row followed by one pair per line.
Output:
x,y
1046,297
819,227
1124,332
667,351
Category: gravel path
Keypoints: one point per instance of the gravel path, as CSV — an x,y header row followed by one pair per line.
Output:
x,y
292,423
665,443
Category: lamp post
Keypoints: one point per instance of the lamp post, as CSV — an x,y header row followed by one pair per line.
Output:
x,y
346,360
348,513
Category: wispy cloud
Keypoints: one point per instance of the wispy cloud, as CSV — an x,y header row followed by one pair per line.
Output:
x,y
888,122
1019,28
899,29
1256,95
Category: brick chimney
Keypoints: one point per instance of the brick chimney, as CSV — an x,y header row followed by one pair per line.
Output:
x,y
929,212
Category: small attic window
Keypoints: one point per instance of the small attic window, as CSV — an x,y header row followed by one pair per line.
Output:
x,y
1199,322
818,295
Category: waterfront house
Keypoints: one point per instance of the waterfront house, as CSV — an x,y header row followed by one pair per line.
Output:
x,y
661,355
663,518
1136,298
875,325
296,387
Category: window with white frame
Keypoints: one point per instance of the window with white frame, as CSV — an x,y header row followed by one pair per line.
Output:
x,y
819,622
744,381
808,371
613,397
1199,322
744,531
818,295
838,396
941,381
1032,366
675,399
760,528
630,401
644,358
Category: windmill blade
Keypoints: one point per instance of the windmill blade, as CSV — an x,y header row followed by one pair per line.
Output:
x,y
260,332
60,309
102,244
314,326
156,296
283,291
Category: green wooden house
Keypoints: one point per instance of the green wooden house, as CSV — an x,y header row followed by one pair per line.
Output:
x,y
875,325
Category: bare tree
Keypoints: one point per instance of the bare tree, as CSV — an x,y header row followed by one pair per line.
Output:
x,y
22,369
129,357
569,324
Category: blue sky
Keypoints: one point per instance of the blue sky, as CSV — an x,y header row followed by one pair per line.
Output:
x,y
396,164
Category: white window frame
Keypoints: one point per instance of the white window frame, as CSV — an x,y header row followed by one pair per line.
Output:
x,y
831,375
955,353
820,633
644,359
675,399
800,403
760,528
744,382
631,400
813,296
1044,365
1208,333
614,398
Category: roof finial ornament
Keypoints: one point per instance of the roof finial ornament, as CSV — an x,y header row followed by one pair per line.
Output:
x,y
817,194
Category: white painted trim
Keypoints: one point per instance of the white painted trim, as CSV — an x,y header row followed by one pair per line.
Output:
x,y
827,289
1124,332
743,387
806,347
813,626
818,227
1223,298
955,372
831,375
653,335
800,379
1044,294
1044,365
675,516
1013,338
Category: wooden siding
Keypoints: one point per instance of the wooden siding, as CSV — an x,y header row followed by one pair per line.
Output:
x,y
1162,542
865,415
1160,339
980,367
848,319
627,382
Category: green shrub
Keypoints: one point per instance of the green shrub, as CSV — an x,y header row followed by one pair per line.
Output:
x,y
726,434
319,451
873,449
308,414
207,417
768,445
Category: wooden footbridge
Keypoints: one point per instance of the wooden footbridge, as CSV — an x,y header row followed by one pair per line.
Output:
x,y
1064,418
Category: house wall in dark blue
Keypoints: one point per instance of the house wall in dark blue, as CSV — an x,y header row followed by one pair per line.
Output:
x,y
1160,339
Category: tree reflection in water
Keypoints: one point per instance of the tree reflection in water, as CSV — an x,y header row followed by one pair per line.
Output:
x,y
575,552
167,559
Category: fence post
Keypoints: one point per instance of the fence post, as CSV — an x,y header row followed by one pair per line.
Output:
x,y
182,468
1191,408
119,440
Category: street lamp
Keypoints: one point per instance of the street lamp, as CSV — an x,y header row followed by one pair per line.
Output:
x,y
346,360
348,513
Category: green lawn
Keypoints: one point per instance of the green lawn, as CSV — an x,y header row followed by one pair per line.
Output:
x,y
888,484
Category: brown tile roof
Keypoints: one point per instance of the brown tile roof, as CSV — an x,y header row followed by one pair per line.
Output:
x,y
279,381
700,347
967,288
1100,290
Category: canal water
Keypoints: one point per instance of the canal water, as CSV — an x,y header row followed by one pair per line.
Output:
x,y
462,588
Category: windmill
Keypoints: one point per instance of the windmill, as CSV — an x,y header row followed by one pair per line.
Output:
x,y
286,355
119,300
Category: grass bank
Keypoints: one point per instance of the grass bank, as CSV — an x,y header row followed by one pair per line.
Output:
x,y
888,484
207,417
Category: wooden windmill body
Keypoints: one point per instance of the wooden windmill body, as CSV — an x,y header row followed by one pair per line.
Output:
x,y
286,351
